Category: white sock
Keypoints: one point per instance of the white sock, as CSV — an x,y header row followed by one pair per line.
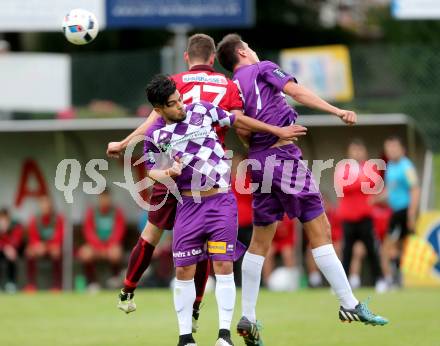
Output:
x,y
250,282
330,265
225,295
184,296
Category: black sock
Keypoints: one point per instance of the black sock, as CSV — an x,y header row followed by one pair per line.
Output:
x,y
186,338
224,333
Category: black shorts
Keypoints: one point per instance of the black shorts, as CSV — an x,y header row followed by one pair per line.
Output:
x,y
399,224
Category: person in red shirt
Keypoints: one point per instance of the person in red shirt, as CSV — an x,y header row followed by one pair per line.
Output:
x,y
103,231
355,210
45,239
11,237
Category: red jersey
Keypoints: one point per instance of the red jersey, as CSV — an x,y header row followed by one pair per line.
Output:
x,y
46,228
201,82
103,229
354,206
12,236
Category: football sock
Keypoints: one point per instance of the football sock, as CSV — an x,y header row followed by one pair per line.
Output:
x,y
331,267
184,295
225,295
139,261
251,277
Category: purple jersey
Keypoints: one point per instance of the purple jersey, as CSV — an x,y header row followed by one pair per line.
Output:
x,y
261,86
195,141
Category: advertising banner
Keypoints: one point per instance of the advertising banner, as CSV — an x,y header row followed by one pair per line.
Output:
x,y
162,13
421,257
416,9
326,70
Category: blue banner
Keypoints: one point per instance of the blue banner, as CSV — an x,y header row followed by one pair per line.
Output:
x,y
163,13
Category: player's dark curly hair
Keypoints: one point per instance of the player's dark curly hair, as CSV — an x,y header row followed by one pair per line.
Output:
x,y
227,51
159,89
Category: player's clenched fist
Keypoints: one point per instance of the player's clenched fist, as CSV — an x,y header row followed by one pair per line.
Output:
x,y
114,149
176,168
348,117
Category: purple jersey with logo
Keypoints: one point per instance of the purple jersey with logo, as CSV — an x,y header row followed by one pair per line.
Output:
x,y
196,143
261,86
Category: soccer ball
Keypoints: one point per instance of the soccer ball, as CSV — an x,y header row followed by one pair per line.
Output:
x,y
80,26
283,279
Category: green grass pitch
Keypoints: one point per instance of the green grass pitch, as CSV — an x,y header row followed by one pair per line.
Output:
x,y
306,317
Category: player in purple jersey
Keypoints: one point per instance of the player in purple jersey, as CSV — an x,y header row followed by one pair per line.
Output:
x,y
262,85
184,146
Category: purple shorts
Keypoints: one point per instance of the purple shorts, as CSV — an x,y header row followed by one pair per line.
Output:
x,y
205,229
290,189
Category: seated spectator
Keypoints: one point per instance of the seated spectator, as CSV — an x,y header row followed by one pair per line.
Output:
x,y
103,230
11,237
45,239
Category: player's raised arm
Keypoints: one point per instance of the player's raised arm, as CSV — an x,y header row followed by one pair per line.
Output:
x,y
307,98
291,132
114,149
243,122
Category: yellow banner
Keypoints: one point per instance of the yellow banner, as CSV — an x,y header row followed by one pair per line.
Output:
x,y
421,257
325,69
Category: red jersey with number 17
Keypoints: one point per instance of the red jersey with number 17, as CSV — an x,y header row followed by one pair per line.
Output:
x,y
202,83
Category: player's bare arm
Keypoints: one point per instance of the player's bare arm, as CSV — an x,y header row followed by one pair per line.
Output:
x,y
291,132
307,98
114,149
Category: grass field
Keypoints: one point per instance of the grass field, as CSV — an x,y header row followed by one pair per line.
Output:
x,y
301,318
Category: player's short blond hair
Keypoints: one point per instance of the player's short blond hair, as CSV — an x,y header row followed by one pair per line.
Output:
x,y
201,47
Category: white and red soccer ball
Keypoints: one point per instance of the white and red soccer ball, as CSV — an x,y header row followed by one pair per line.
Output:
x,y
80,26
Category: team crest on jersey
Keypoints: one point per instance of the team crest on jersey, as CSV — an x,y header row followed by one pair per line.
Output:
x,y
203,77
279,73
196,119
